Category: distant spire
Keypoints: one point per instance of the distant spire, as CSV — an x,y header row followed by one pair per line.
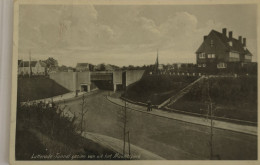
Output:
x,y
157,62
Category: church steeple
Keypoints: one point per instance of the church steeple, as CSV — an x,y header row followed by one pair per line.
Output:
x,y
157,63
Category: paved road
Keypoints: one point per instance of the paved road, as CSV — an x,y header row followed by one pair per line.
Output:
x,y
170,139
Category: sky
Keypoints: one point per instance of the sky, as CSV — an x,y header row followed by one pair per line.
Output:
x,y
128,34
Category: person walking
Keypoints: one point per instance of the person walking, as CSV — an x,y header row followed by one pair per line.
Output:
x,y
149,105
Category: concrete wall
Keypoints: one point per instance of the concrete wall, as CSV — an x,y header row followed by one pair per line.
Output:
x,y
73,80
65,79
83,78
133,76
117,77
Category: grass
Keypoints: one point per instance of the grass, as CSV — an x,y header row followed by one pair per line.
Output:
x,y
157,88
234,98
38,88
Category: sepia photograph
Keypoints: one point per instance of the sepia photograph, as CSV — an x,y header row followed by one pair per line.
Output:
x,y
117,81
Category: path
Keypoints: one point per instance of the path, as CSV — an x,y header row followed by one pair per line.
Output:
x,y
117,146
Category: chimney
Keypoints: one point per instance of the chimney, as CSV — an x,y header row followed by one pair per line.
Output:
x,y
230,34
205,37
244,41
240,39
224,31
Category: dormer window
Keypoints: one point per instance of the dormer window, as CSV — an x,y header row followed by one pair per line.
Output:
x,y
248,57
230,43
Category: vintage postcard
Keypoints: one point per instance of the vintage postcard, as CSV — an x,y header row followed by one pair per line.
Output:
x,y
108,82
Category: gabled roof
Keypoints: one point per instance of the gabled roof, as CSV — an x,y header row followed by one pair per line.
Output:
x,y
43,64
33,63
237,46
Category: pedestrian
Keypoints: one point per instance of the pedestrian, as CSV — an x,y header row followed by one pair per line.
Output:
x,y
148,105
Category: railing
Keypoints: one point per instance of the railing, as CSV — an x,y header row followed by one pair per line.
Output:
x,y
172,99
238,121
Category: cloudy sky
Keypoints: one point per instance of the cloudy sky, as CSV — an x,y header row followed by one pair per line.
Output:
x,y
124,35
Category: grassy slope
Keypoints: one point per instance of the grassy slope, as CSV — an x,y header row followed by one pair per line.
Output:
x,y
233,97
157,88
45,131
38,88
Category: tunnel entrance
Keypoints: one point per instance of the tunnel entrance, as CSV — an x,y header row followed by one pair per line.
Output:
x,y
84,88
103,84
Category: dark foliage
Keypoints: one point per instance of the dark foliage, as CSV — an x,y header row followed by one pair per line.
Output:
x,y
38,88
51,122
233,98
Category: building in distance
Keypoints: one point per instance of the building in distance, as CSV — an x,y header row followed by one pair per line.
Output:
x,y
221,51
82,67
31,67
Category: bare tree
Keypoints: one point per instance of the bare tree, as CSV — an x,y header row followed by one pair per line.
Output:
x,y
124,116
210,116
83,112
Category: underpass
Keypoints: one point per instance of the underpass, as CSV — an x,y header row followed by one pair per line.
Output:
x,y
89,80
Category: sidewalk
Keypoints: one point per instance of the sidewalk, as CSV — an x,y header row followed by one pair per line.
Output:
x,y
60,98
117,146
252,130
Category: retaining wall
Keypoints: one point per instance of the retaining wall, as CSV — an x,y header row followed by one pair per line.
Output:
x,y
65,79
133,76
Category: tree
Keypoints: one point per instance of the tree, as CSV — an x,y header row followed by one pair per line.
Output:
x,y
102,67
210,115
63,68
51,62
83,112
124,117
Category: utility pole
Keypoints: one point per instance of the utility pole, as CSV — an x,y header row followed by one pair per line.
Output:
x,y
30,69
129,150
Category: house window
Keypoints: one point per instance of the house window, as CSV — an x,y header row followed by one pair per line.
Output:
x,y
211,56
222,65
248,57
234,55
202,55
230,43
211,43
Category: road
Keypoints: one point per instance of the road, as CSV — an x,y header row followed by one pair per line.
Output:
x,y
170,139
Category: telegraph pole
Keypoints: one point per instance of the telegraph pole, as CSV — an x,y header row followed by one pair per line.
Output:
x,y
129,150
30,69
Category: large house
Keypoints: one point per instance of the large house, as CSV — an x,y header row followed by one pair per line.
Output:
x,y
31,67
219,51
